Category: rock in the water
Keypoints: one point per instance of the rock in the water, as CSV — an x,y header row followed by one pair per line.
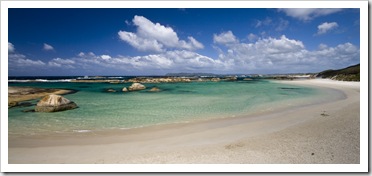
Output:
x,y
124,89
215,79
154,89
110,90
54,103
12,104
136,86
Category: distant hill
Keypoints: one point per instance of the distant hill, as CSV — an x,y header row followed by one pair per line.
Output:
x,y
351,73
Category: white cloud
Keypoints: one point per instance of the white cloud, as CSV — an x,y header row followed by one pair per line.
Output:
x,y
325,27
140,43
168,61
193,43
58,62
156,37
48,47
306,14
158,32
21,61
81,54
105,57
286,55
252,37
278,24
282,25
273,55
267,21
225,38
10,47
264,55
322,46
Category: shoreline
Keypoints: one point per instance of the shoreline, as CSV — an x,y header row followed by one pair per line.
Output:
x,y
227,140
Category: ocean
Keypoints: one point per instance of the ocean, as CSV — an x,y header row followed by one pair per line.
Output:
x,y
100,110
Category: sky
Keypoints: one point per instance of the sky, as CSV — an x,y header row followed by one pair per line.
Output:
x,y
124,41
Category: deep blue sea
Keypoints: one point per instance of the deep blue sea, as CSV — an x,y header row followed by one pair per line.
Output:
x,y
175,103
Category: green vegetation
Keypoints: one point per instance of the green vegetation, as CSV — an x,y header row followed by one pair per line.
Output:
x,y
351,73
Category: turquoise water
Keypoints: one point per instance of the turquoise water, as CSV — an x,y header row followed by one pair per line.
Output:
x,y
177,102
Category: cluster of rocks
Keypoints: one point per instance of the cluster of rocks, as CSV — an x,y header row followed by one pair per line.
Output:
x,y
135,87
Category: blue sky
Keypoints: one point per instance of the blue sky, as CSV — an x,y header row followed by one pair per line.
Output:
x,y
61,42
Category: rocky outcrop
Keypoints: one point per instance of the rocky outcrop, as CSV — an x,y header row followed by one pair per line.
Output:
x,y
136,86
16,95
124,89
54,103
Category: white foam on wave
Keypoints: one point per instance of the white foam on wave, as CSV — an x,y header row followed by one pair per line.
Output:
x,y
14,80
82,131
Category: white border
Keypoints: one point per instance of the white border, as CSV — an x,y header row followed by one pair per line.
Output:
x,y
362,167
184,4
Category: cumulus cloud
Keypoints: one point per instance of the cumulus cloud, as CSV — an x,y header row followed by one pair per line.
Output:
x,y
307,14
224,38
140,43
21,61
58,62
325,27
10,47
47,47
156,37
168,61
105,57
283,54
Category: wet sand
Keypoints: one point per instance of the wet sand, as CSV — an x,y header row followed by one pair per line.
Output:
x,y
326,132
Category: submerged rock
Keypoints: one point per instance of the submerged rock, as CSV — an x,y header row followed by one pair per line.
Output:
x,y
12,104
154,89
136,86
54,103
110,90
29,110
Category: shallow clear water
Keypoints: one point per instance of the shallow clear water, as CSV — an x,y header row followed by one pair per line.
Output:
x,y
177,102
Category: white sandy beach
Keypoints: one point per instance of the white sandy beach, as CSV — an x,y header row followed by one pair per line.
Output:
x,y
321,133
